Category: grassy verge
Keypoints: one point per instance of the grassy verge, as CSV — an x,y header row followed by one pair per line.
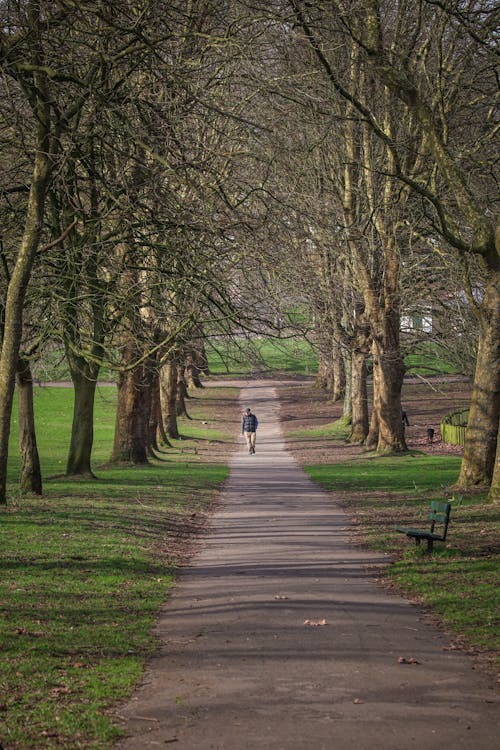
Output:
x,y
461,579
428,358
262,356
429,364
85,569
337,430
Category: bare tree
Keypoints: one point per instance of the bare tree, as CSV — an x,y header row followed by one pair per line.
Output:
x,y
29,72
444,75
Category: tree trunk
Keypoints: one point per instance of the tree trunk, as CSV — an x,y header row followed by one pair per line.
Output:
x,y
30,478
359,429
390,373
324,378
161,435
16,293
482,428
494,493
39,98
147,392
132,414
79,321
192,370
82,429
154,413
372,437
168,380
346,417
181,394
201,356
339,376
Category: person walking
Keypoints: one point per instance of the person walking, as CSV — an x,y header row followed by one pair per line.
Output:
x,y
249,424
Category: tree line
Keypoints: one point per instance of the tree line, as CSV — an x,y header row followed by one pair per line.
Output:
x,y
176,170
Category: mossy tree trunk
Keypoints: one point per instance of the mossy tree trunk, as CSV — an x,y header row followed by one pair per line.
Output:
x,y
494,494
339,376
156,405
192,369
324,377
20,276
372,437
30,478
182,394
346,417
132,412
81,295
478,463
390,373
130,443
168,381
200,353
154,413
359,370
84,380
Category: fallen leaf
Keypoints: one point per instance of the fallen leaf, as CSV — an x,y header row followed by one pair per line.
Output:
x,y
411,660
59,691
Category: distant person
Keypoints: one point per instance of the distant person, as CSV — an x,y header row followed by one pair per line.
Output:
x,y
405,420
249,425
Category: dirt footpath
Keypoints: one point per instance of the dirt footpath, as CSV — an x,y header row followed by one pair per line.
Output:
x,y
278,636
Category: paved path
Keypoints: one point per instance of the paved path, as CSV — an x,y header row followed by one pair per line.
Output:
x,y
239,669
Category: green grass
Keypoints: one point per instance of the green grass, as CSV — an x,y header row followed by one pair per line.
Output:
x,y
53,410
460,580
84,571
79,596
428,364
430,359
413,473
262,356
462,589
337,430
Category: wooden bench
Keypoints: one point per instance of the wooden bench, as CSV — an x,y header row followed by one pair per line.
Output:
x,y
439,516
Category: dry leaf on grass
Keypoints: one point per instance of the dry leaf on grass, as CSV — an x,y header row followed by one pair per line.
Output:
x,y
59,691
